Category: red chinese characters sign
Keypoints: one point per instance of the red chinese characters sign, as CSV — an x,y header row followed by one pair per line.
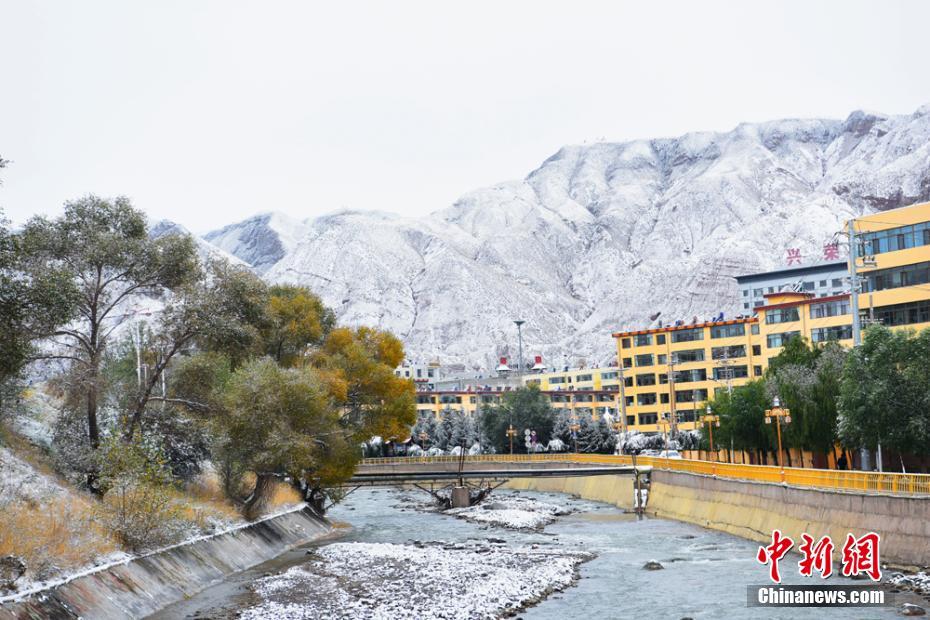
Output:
x,y
859,556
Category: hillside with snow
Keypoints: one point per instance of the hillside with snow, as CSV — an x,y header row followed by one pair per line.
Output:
x,y
600,237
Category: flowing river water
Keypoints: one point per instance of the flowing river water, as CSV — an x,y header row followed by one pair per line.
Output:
x,y
705,573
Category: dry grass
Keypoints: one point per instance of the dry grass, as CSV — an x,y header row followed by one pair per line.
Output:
x,y
283,495
59,535
203,499
206,498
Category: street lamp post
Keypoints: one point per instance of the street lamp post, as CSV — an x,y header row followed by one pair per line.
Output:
x,y
778,413
519,323
711,420
575,427
511,433
666,425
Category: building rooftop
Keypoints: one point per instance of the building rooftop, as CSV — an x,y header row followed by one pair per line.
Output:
x,y
793,271
672,328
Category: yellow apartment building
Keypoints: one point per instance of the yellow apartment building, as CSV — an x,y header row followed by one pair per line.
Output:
x,y
589,402
669,373
893,262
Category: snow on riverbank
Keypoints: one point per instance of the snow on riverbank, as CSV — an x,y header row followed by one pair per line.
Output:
x,y
512,512
916,582
437,580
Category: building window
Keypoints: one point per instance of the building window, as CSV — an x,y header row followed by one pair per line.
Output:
x,y
628,381
745,292
643,340
904,314
724,373
836,332
584,378
893,239
646,399
664,399
661,359
896,277
758,304
649,379
690,355
757,349
728,331
625,343
755,329
688,335
690,376
779,340
690,396
808,286
720,353
648,418
782,315
644,360
757,371
557,380
746,306
822,283
835,282
757,292
608,375
660,339
829,308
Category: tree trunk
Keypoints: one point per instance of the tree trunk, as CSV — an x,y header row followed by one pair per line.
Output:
x,y
257,502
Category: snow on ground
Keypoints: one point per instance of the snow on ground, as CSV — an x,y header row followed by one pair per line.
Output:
x,y
512,512
918,582
19,481
437,580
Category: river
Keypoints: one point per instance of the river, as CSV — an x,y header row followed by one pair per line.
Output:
x,y
705,573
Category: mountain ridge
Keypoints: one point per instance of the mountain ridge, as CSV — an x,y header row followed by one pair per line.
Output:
x,y
599,237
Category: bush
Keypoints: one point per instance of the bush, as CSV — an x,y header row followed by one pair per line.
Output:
x,y
138,506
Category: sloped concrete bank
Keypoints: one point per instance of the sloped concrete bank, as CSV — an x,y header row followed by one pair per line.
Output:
x,y
144,585
753,509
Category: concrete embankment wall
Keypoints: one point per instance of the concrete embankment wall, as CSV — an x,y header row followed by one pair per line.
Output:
x,y
616,490
147,584
753,509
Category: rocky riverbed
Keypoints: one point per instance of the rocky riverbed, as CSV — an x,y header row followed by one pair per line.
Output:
x,y
426,580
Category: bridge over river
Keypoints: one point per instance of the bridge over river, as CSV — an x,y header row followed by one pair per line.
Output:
x,y
469,479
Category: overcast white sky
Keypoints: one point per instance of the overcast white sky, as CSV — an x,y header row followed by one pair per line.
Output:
x,y
208,112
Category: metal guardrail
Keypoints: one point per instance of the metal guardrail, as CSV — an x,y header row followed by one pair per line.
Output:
x,y
867,482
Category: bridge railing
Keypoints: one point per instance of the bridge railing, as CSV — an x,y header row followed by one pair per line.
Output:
x,y
859,481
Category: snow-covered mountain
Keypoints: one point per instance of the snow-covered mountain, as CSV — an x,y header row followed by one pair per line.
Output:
x,y
261,240
205,251
598,238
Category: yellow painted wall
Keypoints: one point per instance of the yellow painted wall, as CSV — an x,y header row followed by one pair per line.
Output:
x,y
616,490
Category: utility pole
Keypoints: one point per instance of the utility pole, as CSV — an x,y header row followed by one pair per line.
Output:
x,y
520,323
673,416
622,395
854,283
856,321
